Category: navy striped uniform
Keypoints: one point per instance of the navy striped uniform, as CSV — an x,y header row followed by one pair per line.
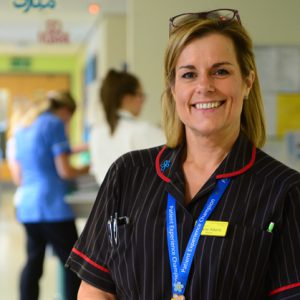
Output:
x,y
249,263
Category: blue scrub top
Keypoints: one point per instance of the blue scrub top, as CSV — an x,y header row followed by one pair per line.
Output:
x,y
40,198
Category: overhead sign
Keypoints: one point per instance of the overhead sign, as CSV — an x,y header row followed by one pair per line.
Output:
x,y
27,5
53,33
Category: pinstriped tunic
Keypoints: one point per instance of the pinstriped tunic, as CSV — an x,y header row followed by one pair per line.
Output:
x,y
249,263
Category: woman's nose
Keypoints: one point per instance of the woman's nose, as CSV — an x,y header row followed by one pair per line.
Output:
x,y
205,84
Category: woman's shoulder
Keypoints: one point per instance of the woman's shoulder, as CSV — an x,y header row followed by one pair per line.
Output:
x,y
268,166
143,125
49,118
145,134
50,123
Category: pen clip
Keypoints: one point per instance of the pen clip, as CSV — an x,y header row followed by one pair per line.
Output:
x,y
115,228
123,220
113,225
110,231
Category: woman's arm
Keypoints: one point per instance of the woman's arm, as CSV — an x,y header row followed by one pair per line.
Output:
x,y
80,148
88,292
66,170
15,171
13,165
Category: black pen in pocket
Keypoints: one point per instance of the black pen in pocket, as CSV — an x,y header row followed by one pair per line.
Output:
x,y
115,228
109,229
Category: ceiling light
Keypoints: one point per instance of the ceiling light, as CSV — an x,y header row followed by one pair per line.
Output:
x,y
94,8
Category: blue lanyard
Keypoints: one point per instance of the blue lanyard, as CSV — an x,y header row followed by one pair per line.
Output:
x,y
180,271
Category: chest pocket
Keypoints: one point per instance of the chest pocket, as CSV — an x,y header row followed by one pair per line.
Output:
x,y
121,241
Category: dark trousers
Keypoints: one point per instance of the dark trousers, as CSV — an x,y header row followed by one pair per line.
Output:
x,y
61,236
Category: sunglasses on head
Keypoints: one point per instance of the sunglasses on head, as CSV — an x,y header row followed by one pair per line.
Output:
x,y
223,15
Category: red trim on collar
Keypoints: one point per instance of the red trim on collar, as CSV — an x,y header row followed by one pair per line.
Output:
x,y
157,165
219,176
89,260
242,170
284,288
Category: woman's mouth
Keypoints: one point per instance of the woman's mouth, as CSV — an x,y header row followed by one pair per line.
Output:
x,y
208,105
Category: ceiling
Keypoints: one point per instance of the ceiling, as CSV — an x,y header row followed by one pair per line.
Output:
x,y
54,19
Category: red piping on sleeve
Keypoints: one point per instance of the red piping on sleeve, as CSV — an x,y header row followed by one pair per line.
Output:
x,y
242,170
284,288
157,166
89,260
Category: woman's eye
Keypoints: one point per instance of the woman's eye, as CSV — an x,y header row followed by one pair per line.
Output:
x,y
188,75
221,72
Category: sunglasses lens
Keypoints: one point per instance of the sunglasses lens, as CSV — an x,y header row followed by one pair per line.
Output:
x,y
183,19
221,15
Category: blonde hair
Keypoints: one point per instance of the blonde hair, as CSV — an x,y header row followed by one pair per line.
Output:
x,y
53,101
252,117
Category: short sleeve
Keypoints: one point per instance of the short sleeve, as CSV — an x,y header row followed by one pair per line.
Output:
x,y
57,138
285,260
11,149
89,258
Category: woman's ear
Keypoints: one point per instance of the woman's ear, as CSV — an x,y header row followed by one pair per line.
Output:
x,y
249,81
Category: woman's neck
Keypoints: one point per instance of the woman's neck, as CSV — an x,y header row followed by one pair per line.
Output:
x,y
203,156
207,151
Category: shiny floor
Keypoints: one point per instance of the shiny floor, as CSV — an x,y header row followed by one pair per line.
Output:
x,y
12,255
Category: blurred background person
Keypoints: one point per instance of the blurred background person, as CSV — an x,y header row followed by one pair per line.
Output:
x,y
122,99
39,161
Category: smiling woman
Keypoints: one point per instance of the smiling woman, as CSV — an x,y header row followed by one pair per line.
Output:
x,y
211,181
234,61
209,89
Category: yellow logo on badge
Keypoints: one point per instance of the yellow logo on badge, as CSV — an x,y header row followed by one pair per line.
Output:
x,y
215,228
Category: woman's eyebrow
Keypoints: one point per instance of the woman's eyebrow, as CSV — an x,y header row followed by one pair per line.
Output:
x,y
192,67
222,64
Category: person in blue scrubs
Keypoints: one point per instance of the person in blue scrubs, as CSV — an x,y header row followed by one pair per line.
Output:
x,y
43,173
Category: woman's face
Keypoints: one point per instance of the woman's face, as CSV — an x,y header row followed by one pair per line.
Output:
x,y
65,114
138,100
209,89
134,102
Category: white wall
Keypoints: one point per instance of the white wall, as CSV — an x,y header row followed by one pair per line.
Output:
x,y
113,41
108,43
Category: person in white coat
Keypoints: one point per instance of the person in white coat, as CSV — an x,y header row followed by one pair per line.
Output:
x,y
122,98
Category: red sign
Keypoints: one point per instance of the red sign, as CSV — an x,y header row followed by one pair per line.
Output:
x,y
53,33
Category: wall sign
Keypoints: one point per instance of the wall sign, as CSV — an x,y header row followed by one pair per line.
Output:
x,y
53,33
279,73
27,5
288,113
20,63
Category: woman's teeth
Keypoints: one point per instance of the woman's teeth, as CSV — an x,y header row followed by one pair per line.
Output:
x,y
208,105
